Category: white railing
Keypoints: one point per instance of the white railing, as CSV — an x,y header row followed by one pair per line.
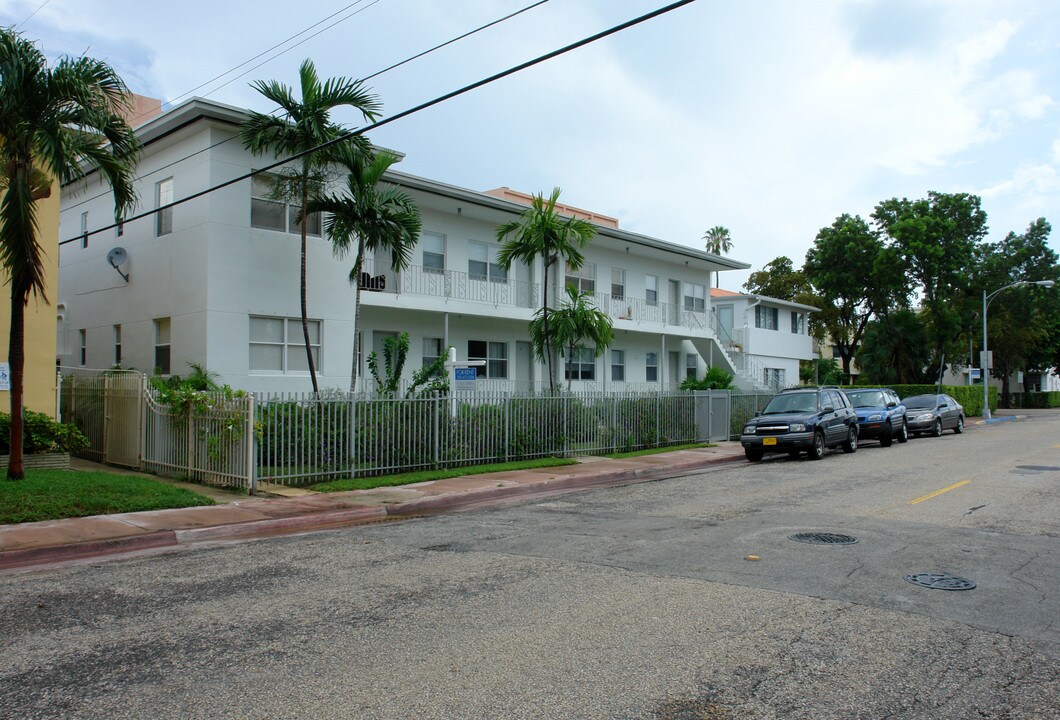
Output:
x,y
452,284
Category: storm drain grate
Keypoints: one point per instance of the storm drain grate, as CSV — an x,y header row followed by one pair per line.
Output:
x,y
823,538
940,581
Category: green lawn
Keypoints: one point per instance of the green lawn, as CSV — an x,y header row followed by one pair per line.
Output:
x,y
366,483
656,450
53,494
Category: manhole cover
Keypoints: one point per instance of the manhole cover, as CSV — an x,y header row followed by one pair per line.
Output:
x,y
1038,468
823,538
940,581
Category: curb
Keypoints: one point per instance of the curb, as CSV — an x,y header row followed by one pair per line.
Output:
x,y
92,548
296,523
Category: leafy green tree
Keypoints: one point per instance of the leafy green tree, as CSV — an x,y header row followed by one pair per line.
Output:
x,y
820,371
718,240
428,379
541,231
855,277
937,239
895,350
576,321
55,122
304,125
779,279
368,215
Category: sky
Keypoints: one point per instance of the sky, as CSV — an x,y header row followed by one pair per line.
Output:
x,y
770,118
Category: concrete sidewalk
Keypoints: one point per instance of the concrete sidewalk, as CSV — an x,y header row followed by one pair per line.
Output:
x,y
37,544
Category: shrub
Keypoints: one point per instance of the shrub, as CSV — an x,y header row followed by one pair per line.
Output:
x,y
41,434
715,379
1039,399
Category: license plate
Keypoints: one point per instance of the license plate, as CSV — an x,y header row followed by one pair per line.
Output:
x,y
769,441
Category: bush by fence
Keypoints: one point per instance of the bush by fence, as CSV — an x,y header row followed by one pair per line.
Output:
x,y
1036,400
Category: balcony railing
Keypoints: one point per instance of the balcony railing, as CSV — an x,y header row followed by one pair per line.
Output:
x,y
453,284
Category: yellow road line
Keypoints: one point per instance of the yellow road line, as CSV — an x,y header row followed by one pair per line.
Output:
x,y
954,486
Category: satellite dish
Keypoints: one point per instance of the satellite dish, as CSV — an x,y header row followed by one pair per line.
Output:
x,y
116,258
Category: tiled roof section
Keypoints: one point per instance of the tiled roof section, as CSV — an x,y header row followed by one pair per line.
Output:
x,y
718,292
522,198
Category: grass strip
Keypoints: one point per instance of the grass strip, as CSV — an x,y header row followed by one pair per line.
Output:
x,y
55,494
367,483
657,450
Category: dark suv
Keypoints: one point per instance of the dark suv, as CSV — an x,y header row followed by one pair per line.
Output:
x,y
798,419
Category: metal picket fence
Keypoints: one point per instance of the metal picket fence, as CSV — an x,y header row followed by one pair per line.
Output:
x,y
742,407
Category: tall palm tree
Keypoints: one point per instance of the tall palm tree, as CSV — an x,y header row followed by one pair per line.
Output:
x,y
718,241
577,320
542,231
303,126
59,122
368,215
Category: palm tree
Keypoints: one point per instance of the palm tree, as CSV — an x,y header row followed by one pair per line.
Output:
x,y
718,242
542,231
305,125
574,322
368,216
59,122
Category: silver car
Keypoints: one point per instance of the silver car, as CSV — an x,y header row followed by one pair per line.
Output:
x,y
931,414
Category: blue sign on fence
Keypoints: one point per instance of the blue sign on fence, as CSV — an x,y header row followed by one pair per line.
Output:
x,y
464,374
976,373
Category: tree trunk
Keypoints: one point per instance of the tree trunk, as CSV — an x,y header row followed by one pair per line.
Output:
x,y
302,296
16,358
548,338
357,265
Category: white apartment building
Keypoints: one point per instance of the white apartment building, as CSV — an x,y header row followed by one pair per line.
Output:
x,y
214,281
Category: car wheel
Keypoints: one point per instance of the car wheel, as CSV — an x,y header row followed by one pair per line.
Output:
x,y
817,451
888,436
960,425
903,434
937,430
753,455
850,445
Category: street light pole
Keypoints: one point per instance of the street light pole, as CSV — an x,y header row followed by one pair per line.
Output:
x,y
985,362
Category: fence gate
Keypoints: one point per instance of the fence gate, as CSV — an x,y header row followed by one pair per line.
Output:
x,y
107,408
712,415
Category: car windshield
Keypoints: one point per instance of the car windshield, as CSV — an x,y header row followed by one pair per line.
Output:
x,y
920,401
792,403
866,398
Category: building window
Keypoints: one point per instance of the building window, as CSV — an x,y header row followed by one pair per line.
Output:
x,y
84,346
798,323
162,346
766,318
651,367
432,350
84,230
774,377
117,344
433,245
163,218
651,289
268,213
482,265
278,345
836,355
618,365
691,366
618,283
494,353
581,365
695,297
583,279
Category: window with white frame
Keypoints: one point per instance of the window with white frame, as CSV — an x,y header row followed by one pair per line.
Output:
x,y
83,334
277,345
651,367
268,212
618,283
695,297
798,323
482,263
618,365
774,377
766,318
432,350
583,279
162,346
581,364
494,353
432,245
84,230
651,289
117,344
691,365
163,218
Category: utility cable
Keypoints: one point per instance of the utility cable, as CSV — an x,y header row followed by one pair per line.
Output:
x,y
39,8
405,113
375,74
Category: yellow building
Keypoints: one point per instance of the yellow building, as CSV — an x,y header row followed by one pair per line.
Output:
x,y
39,384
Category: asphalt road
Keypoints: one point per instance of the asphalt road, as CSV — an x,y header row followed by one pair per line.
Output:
x,y
632,602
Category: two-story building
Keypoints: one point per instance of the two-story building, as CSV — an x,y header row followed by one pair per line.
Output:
x,y
215,281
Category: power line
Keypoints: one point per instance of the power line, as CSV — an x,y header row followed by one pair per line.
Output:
x,y
375,74
405,113
39,8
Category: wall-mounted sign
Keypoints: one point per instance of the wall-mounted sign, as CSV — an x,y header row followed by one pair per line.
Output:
x,y
5,376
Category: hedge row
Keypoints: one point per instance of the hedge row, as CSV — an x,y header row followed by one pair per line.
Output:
x,y
969,396
1037,399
